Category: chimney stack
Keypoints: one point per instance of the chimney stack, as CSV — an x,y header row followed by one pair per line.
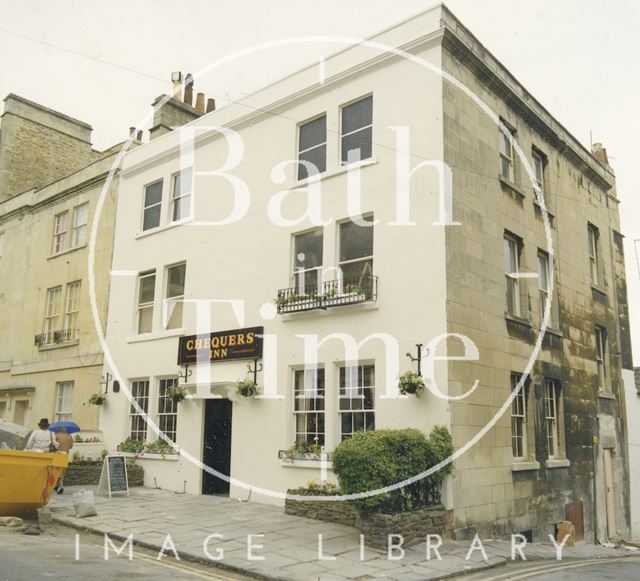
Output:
x,y
600,153
200,102
211,105
139,137
132,131
176,79
188,90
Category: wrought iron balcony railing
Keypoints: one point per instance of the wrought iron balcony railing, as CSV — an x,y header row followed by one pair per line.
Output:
x,y
332,293
55,337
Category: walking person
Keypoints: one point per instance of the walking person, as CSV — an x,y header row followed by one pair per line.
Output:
x,y
65,443
42,440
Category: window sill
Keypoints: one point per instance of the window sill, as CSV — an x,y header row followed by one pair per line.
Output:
x,y
315,464
557,463
554,331
598,289
162,228
68,251
505,183
516,319
605,394
149,456
366,306
299,184
58,345
155,336
522,466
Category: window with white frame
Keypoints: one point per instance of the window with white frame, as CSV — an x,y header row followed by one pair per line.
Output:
x,y
312,146
64,400
137,423
60,228
175,295
543,282
52,314
307,261
602,358
80,218
167,408
518,419
357,399
506,154
152,205
594,241
356,254
309,409
182,187
512,249
146,295
72,308
551,416
538,163
357,130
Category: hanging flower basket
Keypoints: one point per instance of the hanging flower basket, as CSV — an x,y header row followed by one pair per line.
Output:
x,y
176,393
246,388
411,384
97,399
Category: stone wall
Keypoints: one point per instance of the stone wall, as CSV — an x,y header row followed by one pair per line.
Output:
x,y
89,474
376,527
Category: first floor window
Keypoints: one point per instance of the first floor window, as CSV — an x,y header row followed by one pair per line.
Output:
x,y
167,409
357,399
52,314
72,308
601,357
551,417
139,394
356,255
594,239
146,295
175,295
308,397
307,261
64,400
511,271
518,418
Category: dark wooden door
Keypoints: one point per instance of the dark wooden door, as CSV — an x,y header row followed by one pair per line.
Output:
x,y
216,450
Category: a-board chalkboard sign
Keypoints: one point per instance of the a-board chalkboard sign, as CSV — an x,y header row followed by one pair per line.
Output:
x,y
114,475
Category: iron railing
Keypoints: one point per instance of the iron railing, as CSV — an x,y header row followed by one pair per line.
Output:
x,y
55,337
332,293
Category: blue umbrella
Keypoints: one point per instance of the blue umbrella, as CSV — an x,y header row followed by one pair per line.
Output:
x,y
71,427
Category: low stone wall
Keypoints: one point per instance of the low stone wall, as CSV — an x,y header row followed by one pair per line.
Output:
x,y
89,474
376,527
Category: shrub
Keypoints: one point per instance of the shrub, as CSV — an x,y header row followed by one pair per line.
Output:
x,y
159,447
381,458
131,445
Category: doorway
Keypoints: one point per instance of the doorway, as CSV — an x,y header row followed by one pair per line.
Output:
x,y
216,449
609,493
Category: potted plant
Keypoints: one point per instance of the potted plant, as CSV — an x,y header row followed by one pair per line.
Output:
x,y
411,383
97,399
302,451
246,388
177,393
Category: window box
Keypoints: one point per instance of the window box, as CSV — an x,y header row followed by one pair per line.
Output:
x,y
150,456
289,457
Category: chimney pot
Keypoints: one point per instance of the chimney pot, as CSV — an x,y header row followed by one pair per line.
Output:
x,y
140,135
188,90
132,130
200,102
211,105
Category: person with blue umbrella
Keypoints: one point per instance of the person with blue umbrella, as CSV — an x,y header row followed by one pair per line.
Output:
x,y
65,443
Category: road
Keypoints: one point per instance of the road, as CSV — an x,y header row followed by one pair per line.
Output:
x,y
627,569
52,556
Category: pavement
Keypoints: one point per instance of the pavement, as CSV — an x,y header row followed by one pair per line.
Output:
x,y
289,547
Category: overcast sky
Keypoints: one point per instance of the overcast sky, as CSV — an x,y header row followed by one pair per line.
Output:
x,y
577,57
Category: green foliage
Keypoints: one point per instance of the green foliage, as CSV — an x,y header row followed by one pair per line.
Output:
x,y
246,388
299,449
177,393
381,458
97,399
159,447
411,383
131,445
138,447
314,488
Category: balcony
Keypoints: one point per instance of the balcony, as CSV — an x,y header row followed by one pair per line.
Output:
x,y
49,338
332,293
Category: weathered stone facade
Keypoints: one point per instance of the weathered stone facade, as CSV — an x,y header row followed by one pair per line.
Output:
x,y
88,474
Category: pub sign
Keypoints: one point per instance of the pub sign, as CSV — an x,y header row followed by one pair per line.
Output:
x,y
221,346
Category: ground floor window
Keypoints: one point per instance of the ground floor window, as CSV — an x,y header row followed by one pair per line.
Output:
x,y
357,399
552,403
64,400
139,393
167,409
518,419
308,397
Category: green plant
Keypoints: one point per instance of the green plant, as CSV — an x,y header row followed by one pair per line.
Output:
x,y
381,458
104,454
354,288
159,447
77,438
97,399
299,449
411,383
131,445
246,388
177,393
75,457
314,488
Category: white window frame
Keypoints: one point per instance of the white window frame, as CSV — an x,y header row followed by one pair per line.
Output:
x,y
543,283
64,400
312,392
363,259
364,127
52,314
175,198
602,358
300,167
146,305
167,408
140,426
512,249
145,207
538,163
79,233
551,416
176,301
298,271
60,231
348,393
506,155
519,424
71,311
593,235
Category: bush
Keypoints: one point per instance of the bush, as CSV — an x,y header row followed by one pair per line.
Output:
x,y
131,445
381,458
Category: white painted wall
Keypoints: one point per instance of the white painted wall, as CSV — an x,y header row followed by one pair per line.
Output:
x,y
633,420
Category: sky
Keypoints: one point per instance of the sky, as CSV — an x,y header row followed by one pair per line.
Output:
x,y
105,62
